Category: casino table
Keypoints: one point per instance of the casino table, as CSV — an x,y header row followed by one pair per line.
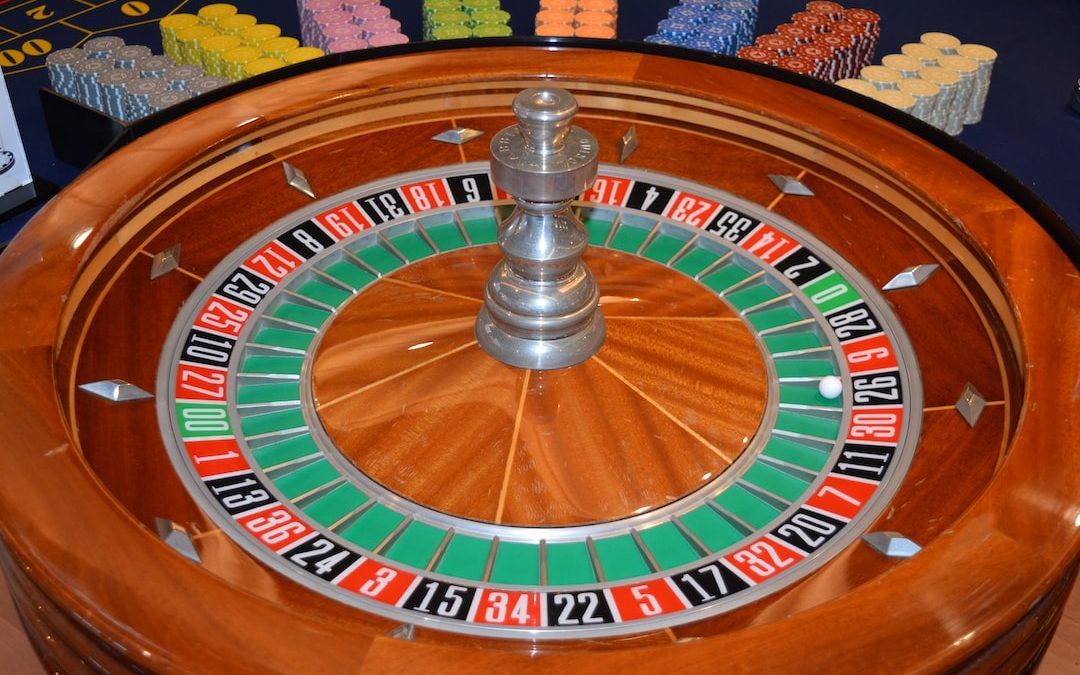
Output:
x,y
1027,127
250,428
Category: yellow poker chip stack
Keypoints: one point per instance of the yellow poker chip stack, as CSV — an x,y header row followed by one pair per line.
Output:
x,y
279,46
234,60
224,42
259,33
210,15
169,26
302,54
262,65
188,41
235,24
212,49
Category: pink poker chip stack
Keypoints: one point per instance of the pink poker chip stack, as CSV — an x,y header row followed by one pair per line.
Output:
x,y
345,44
345,25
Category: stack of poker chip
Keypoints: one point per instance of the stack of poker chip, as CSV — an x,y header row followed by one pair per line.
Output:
x,y
124,81
577,18
336,26
717,26
228,45
984,58
456,19
826,41
948,80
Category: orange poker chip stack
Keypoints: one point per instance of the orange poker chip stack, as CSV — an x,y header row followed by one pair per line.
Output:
x,y
577,18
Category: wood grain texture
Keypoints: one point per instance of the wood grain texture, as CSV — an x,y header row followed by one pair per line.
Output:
x,y
411,401
1000,539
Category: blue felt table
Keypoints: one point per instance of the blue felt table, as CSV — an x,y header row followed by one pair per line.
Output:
x,y
1027,127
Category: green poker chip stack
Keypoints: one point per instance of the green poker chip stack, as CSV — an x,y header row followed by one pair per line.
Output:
x,y
446,19
486,30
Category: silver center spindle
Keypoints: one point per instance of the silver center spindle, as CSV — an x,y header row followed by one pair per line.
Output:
x,y
540,302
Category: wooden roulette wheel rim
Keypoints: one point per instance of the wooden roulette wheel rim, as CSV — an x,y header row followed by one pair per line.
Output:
x,y
993,505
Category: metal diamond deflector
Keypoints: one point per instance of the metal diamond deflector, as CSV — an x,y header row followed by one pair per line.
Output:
x,y
115,390
627,144
892,544
458,135
297,180
790,186
177,538
405,631
165,262
971,405
911,277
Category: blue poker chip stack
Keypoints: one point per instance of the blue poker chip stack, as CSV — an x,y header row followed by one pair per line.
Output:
x,y
718,26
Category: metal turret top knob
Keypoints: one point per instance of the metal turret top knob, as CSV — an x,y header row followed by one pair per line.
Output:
x,y
543,158
540,302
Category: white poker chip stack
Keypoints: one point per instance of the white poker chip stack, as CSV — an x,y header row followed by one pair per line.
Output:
x,y
60,65
87,88
905,65
858,86
925,94
881,77
966,68
177,78
137,97
925,54
128,56
155,66
124,81
160,100
201,85
103,47
948,81
897,99
113,85
984,57
943,42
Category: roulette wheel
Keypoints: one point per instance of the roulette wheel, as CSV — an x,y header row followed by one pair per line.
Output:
x,y
250,425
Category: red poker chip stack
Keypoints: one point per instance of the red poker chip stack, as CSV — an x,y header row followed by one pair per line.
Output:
x,y
863,44
815,22
778,43
759,55
825,67
844,63
833,11
800,34
798,64
869,24
826,41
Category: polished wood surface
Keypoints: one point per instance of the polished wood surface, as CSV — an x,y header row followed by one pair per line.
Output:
x,y
995,507
408,396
